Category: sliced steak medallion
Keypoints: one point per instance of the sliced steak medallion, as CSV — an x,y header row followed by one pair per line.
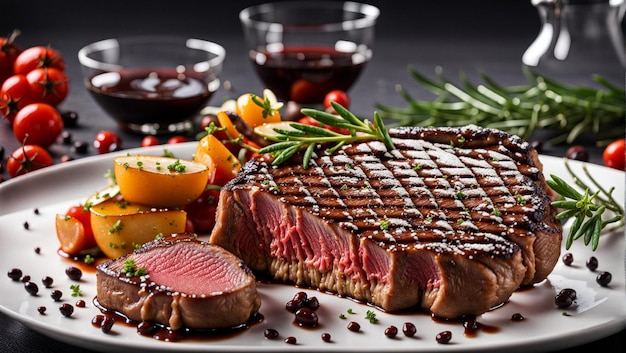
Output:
x,y
189,284
452,221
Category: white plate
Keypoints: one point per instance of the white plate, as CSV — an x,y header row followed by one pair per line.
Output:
x,y
599,311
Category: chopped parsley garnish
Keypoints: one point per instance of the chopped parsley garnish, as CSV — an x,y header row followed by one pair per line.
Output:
x,y
122,204
130,269
76,290
88,259
177,167
371,317
117,227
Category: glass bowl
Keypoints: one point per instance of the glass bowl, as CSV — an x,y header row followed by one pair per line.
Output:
x,y
301,50
152,84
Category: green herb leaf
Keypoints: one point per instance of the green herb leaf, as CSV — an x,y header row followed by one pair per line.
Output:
x,y
303,136
586,208
542,103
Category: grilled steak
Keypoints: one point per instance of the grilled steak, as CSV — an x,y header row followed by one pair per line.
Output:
x,y
189,284
452,221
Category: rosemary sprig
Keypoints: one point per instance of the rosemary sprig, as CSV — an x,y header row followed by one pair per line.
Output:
x,y
519,110
306,137
586,208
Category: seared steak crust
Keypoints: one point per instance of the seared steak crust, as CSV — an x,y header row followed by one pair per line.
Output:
x,y
189,284
452,221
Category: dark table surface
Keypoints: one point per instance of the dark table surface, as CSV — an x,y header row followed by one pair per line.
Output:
x,y
459,36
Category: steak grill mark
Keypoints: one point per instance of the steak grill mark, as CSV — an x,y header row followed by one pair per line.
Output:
x,y
424,192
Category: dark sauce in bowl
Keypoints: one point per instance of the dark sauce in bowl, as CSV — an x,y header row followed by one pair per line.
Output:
x,y
142,96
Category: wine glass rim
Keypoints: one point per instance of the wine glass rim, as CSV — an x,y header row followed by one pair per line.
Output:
x,y
85,58
368,15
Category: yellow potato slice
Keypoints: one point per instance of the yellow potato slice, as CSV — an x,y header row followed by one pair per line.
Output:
x,y
120,226
160,181
267,130
102,195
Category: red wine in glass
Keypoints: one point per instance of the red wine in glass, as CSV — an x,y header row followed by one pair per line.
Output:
x,y
306,74
144,96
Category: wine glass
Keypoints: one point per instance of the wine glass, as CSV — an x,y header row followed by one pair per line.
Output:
x,y
302,50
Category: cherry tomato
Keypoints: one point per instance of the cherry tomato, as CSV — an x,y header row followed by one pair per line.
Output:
x,y
177,139
37,124
15,94
305,92
307,120
28,158
614,155
337,96
38,57
201,212
8,53
84,216
150,141
107,141
48,85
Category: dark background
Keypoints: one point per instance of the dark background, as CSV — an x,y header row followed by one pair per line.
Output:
x,y
473,37
469,36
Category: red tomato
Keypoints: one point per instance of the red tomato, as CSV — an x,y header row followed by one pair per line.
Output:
x,y
38,57
201,212
107,141
177,139
337,96
305,92
150,141
84,216
48,85
8,53
307,120
614,155
15,94
37,124
189,227
27,158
